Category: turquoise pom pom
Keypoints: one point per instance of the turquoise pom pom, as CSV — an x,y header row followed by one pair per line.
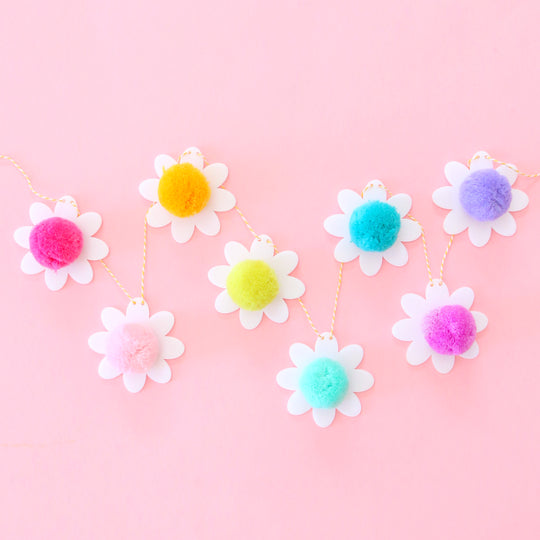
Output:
x,y
374,226
324,383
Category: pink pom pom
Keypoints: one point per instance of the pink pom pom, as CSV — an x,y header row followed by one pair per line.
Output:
x,y
132,347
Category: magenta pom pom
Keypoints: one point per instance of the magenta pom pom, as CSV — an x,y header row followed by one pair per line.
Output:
x,y
56,242
449,329
132,347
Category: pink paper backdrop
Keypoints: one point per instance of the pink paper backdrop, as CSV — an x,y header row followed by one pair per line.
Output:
x,y
300,98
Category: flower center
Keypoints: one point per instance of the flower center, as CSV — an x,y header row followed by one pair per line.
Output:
x,y
183,190
132,347
449,329
324,383
485,194
252,285
56,242
374,226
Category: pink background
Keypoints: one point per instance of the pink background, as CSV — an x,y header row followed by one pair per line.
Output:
x,y
300,99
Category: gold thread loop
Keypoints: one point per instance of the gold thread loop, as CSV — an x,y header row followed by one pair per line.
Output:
x,y
499,162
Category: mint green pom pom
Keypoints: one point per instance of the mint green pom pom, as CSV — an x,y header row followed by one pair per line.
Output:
x,y
374,226
324,383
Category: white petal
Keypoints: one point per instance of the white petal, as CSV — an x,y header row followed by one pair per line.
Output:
x,y
436,293
413,304
262,248
505,225
98,342
405,330
297,404
301,355
162,322
207,222
285,262
29,265
66,208
277,311
418,352
81,270
370,262
235,252
112,317
221,200
473,351
350,356
194,156
401,202
360,380
160,372
157,216
134,382
350,406
463,296
216,174
89,223
218,275
137,311
149,189
324,417
480,319
397,254
337,225
250,319
39,212
162,163
171,347
224,303
288,378
346,251
291,288
348,200
520,200
455,173
182,229
55,279
479,161
480,233
410,230
508,172
443,363
456,221
22,236
326,347
107,371
375,193
94,249
445,197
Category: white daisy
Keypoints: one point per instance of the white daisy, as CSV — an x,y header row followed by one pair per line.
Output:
x,y
187,194
136,345
256,282
61,243
480,198
441,326
325,379
372,228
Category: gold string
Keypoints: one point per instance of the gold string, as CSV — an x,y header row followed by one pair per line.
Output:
x,y
509,165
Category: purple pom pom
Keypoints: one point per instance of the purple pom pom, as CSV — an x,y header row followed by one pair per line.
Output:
x,y
485,194
449,329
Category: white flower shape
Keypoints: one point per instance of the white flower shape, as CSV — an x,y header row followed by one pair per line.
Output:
x,y
256,282
480,198
372,228
136,345
441,326
61,243
325,379
187,194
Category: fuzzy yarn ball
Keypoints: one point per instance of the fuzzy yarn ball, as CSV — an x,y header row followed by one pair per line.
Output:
x,y
324,383
183,190
485,194
56,242
449,329
374,226
132,347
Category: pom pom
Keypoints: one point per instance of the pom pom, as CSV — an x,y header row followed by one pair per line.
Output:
x,y
449,329
324,383
485,194
132,347
374,226
252,284
183,190
56,242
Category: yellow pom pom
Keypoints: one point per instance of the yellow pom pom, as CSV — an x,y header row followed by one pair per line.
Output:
x,y
252,285
183,190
